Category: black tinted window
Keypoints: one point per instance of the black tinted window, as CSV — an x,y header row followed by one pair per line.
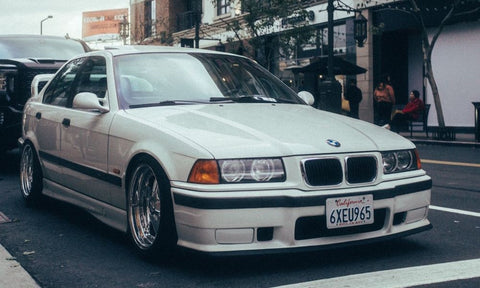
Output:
x,y
59,91
92,77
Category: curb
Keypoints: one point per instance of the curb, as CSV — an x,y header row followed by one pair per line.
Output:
x,y
12,275
446,143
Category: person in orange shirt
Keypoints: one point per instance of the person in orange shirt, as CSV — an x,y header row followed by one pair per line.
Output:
x,y
412,111
384,97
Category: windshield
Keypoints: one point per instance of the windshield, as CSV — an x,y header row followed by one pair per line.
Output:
x,y
37,47
178,78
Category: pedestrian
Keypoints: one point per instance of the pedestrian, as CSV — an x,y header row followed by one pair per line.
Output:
x,y
384,98
354,97
412,111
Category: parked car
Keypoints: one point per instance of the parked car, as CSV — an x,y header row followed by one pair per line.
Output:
x,y
210,152
21,58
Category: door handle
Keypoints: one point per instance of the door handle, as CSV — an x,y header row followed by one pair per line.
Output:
x,y
38,115
66,122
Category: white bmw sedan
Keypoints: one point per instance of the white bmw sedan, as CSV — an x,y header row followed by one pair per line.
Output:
x,y
210,152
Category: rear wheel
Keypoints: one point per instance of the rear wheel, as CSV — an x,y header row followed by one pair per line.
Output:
x,y
150,209
30,175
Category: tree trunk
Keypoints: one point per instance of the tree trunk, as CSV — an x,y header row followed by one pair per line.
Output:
x,y
427,56
435,94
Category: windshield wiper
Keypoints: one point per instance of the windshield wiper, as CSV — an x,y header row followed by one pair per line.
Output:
x,y
239,99
221,100
253,99
167,103
289,101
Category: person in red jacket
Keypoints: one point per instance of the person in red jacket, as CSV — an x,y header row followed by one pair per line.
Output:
x,y
412,111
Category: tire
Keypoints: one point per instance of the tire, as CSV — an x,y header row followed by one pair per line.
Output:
x,y
150,210
31,179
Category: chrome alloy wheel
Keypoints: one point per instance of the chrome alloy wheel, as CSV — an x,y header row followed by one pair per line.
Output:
x,y
26,171
144,206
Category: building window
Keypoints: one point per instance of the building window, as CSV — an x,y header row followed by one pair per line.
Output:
x,y
223,7
150,16
318,43
147,26
153,11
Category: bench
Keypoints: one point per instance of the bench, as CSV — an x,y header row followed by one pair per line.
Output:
x,y
419,125
421,122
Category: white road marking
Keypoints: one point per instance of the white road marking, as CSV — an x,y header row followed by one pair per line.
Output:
x,y
404,277
451,210
401,278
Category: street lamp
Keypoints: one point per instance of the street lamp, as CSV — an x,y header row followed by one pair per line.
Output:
x,y
330,98
41,23
330,95
360,29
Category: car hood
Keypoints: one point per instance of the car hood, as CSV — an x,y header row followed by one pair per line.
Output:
x,y
259,130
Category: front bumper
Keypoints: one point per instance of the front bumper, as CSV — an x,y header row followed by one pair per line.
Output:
x,y
275,220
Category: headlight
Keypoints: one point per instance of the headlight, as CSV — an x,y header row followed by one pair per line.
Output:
x,y
233,170
400,161
237,171
251,170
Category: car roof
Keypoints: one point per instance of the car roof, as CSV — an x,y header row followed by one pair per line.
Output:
x,y
138,49
30,36
11,42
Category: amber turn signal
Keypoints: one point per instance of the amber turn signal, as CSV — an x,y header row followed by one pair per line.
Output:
x,y
419,162
204,172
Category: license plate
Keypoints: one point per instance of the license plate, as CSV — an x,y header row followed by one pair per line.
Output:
x,y
349,211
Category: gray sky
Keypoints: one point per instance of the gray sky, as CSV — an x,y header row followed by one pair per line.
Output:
x,y
24,16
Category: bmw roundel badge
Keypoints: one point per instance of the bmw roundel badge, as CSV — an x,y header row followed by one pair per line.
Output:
x,y
333,143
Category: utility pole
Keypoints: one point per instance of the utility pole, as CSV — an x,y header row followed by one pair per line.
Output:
x,y
198,19
330,10
124,29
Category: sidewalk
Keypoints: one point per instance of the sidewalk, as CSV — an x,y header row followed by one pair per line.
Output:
x,y
461,139
12,275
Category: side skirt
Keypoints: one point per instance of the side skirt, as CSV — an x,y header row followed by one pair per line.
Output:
x,y
112,216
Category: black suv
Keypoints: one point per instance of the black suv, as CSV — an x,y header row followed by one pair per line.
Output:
x,y
21,58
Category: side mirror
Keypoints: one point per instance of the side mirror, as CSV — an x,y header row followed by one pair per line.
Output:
x,y
307,97
88,101
39,82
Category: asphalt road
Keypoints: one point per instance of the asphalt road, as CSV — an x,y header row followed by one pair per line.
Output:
x,y
62,246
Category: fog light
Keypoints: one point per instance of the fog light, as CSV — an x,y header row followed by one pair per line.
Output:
x,y
416,215
234,236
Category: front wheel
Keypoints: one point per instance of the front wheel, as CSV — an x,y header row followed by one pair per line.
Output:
x,y
150,209
30,175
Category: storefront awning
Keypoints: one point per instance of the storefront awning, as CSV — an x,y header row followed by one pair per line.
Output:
x,y
341,67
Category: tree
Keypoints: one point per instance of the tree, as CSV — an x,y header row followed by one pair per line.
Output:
x,y
420,10
258,24
427,47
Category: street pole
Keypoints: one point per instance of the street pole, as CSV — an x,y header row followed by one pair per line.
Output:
x,y
41,23
198,18
197,29
330,10
330,90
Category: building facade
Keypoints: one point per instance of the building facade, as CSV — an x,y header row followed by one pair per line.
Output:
x,y
393,46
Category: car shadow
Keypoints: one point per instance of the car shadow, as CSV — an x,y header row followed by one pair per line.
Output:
x,y
9,162
291,262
